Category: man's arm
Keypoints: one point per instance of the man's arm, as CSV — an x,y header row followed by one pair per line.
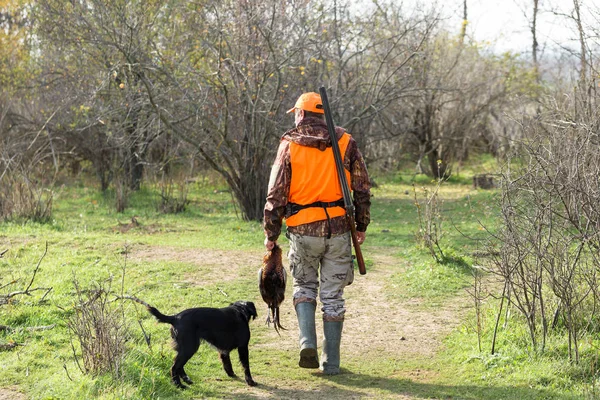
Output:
x,y
277,194
361,187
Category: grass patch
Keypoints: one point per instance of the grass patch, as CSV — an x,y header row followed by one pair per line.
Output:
x,y
515,362
428,280
208,256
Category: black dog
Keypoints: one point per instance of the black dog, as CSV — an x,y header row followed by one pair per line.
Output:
x,y
224,328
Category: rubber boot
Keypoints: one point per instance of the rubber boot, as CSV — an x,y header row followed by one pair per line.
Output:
x,y
330,358
309,357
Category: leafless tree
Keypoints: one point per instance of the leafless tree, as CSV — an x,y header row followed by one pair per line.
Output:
x,y
550,235
221,76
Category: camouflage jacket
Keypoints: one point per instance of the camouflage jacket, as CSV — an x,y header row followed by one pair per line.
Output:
x,y
313,132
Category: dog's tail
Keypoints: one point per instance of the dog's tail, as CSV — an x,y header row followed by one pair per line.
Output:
x,y
168,319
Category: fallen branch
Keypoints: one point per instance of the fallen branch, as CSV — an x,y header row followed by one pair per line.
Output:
x,y
28,329
28,293
9,346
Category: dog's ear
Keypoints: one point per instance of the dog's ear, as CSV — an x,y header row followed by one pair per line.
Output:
x,y
247,308
252,309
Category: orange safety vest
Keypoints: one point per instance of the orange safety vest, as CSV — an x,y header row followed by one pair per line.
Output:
x,y
315,179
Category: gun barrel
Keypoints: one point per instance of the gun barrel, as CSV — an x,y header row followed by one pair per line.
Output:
x,y
343,181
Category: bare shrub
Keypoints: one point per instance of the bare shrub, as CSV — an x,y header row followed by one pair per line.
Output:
x,y
100,329
174,173
25,184
430,220
22,198
550,235
173,195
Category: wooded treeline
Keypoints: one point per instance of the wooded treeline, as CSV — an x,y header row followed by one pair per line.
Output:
x,y
155,92
143,90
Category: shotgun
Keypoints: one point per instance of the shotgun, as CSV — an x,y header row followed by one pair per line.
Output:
x,y
343,181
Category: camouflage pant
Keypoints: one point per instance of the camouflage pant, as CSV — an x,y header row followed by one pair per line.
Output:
x,y
312,256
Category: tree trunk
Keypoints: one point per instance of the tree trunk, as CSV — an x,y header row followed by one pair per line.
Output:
x,y
463,29
534,46
136,172
439,168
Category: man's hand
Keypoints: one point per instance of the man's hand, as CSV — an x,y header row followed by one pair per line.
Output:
x,y
269,244
360,237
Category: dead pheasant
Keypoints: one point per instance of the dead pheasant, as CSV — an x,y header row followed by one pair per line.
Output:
x,y
271,283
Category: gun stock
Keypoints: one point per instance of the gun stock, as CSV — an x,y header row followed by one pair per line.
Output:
x,y
343,182
362,269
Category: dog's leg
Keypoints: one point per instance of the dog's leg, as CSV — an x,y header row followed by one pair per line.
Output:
x,y
185,377
226,361
175,375
243,352
186,349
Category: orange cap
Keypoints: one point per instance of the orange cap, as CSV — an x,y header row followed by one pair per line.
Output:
x,y
310,101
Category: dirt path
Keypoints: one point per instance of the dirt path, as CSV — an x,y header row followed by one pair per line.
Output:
x,y
401,327
9,394
400,330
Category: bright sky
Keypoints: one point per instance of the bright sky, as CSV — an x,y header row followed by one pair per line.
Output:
x,y
506,22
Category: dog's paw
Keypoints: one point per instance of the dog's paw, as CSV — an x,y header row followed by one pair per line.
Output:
x,y
187,380
251,382
179,385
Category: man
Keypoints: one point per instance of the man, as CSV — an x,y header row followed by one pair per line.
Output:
x,y
305,190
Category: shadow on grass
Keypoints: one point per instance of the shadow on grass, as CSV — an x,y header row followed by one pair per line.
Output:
x,y
457,263
355,386
409,388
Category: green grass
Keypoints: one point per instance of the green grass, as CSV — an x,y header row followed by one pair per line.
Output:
x,y
514,361
88,240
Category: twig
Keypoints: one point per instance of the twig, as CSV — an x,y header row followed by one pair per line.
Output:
x,y
498,319
76,358
3,253
37,267
147,337
67,371
45,294
132,298
9,283
28,289
43,127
